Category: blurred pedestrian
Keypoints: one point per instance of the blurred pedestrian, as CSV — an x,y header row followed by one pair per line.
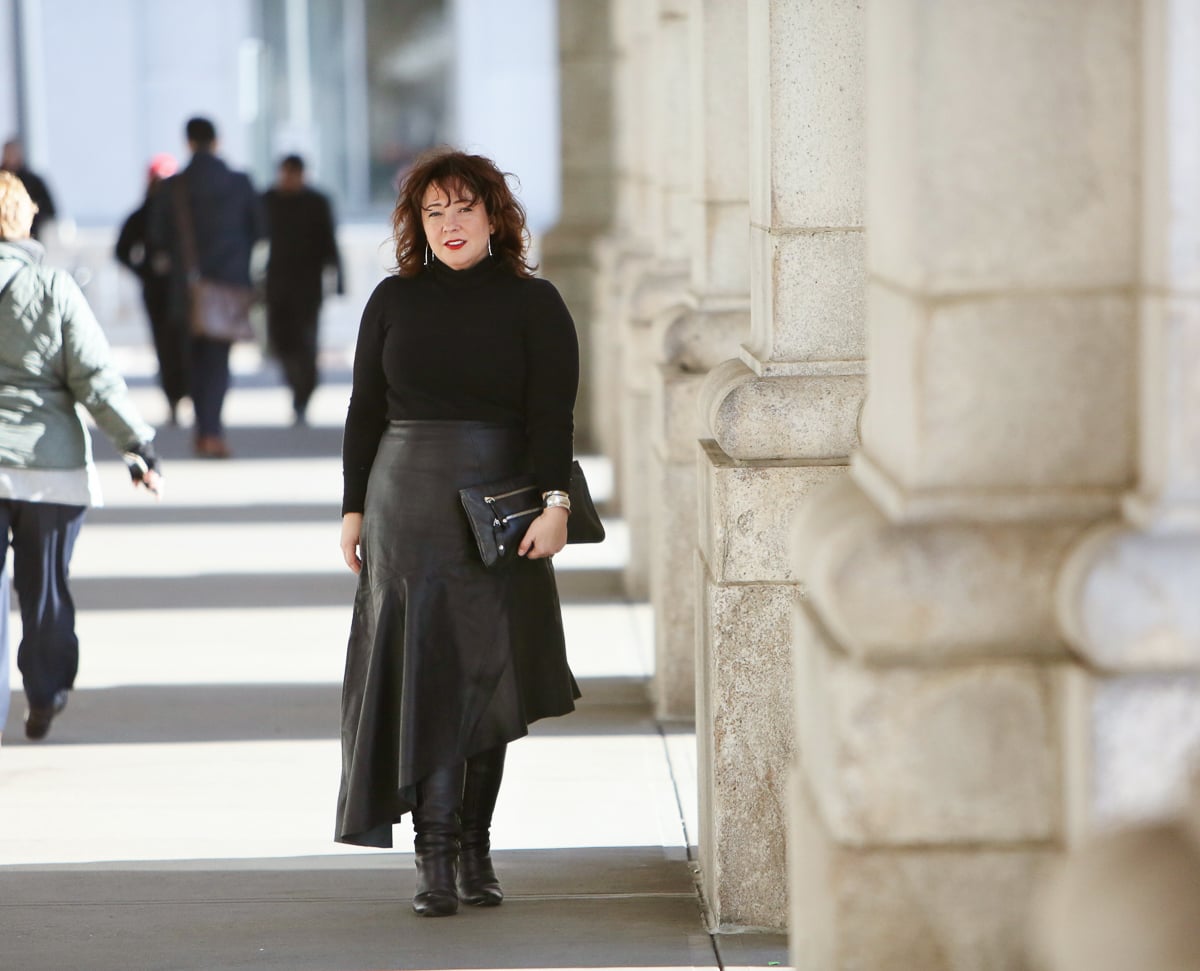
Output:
x,y
5,607
153,267
13,160
208,217
53,357
303,244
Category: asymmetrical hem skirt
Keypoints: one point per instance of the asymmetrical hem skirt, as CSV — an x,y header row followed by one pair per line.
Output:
x,y
445,659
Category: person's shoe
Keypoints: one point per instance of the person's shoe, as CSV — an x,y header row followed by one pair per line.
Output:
x,y
37,721
477,882
435,858
211,447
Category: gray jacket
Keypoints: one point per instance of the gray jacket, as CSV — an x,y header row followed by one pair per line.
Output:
x,y
52,355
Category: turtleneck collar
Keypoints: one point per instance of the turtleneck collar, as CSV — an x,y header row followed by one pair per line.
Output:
x,y
472,276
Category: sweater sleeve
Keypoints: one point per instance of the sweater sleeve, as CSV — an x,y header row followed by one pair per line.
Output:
x,y
552,368
90,372
366,418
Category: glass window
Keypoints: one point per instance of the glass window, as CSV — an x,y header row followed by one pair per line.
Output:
x,y
369,93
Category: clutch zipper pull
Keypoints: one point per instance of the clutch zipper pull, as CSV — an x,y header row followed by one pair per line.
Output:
x,y
517,515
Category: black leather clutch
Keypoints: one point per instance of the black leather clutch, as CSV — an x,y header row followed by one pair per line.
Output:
x,y
500,512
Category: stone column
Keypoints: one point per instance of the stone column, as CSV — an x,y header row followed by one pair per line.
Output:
x,y
586,78
780,419
1001,199
619,255
1129,899
1129,597
693,337
654,286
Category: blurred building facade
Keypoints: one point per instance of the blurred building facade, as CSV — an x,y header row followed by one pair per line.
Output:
x,y
356,86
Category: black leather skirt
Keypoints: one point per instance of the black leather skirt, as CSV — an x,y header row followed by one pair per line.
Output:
x,y
445,659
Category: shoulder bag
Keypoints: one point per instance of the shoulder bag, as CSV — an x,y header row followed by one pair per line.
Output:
x,y
216,310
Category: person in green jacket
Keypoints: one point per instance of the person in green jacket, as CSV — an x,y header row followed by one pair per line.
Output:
x,y
53,356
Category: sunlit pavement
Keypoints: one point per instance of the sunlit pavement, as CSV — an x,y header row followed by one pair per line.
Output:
x,y
179,815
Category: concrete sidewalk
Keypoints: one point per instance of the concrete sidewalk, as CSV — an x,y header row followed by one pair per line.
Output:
x,y
179,816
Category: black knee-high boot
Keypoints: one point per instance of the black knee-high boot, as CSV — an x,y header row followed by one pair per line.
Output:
x,y
477,883
437,825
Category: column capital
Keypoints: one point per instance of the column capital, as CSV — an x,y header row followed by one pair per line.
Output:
x,y
794,417
929,593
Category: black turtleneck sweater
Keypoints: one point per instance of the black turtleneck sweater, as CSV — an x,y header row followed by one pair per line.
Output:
x,y
480,344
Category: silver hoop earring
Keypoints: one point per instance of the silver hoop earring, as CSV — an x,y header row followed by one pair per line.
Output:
x,y
427,254
489,246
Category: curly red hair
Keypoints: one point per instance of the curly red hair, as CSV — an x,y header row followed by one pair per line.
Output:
x,y
474,177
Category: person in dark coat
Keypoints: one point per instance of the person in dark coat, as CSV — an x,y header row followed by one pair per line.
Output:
x,y
153,268
227,219
13,160
303,243
465,373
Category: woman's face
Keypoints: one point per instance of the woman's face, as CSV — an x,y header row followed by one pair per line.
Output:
x,y
457,227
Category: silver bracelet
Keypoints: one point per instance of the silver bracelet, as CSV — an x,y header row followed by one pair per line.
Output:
x,y
558,500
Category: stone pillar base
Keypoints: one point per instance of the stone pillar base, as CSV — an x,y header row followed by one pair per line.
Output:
x,y
918,909
932,704
673,531
744,679
692,343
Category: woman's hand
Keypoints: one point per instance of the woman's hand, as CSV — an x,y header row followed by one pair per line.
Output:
x,y
153,483
351,534
546,535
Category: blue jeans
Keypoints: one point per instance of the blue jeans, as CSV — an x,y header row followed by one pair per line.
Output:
x,y
42,535
5,600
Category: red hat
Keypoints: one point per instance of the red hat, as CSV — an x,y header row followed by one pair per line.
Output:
x,y
163,166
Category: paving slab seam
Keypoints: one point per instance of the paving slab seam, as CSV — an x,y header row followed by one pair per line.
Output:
x,y
671,771
338,898
693,864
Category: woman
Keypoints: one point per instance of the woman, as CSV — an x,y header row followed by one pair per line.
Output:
x,y
53,355
153,267
465,373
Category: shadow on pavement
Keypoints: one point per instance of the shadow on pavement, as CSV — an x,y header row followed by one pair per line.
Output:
x,y
352,913
217,590
250,514
170,714
246,442
267,376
